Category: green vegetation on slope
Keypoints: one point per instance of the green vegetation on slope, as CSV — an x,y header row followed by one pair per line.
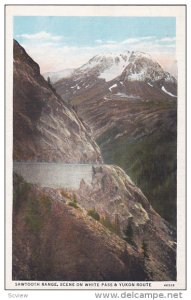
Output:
x,y
37,210
151,163
94,214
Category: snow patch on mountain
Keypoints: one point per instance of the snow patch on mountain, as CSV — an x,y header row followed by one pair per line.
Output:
x,y
111,87
90,64
130,96
169,78
164,90
116,68
122,95
139,54
106,66
137,76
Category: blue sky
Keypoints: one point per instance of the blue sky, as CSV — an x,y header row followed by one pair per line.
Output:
x,y
86,30
77,39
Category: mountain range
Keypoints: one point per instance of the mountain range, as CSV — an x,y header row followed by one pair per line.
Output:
x,y
130,104
106,229
112,72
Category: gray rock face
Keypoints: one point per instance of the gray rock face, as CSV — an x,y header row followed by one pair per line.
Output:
x,y
46,129
123,207
114,194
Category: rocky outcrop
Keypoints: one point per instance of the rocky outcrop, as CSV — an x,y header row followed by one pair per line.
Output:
x,y
45,128
123,208
55,241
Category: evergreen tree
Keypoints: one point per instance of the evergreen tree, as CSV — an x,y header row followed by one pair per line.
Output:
x,y
129,234
48,80
145,249
117,224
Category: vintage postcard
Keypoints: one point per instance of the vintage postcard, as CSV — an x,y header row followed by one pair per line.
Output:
x,y
95,147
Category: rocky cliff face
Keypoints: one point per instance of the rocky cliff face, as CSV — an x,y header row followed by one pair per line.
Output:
x,y
125,210
72,245
130,103
45,129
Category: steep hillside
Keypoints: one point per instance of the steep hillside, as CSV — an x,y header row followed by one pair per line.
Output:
x,y
124,209
130,103
72,245
44,128
142,140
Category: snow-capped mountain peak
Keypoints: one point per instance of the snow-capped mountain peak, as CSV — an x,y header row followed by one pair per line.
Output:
x,y
142,67
117,73
139,54
136,65
107,66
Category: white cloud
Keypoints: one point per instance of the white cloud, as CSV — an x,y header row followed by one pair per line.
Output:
x,y
42,35
99,41
168,39
52,55
148,37
130,41
138,40
111,42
